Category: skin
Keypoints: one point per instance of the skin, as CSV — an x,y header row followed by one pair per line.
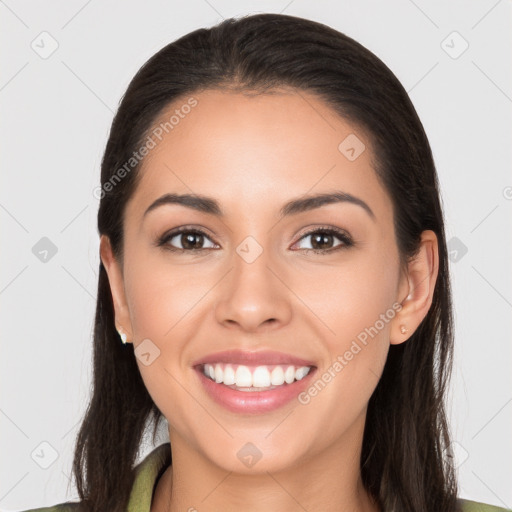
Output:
x,y
253,154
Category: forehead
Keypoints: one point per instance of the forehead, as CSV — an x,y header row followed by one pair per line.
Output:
x,y
256,152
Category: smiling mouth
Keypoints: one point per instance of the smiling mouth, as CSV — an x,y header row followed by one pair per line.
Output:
x,y
254,378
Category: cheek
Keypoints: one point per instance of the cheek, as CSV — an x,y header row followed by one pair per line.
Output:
x,y
351,295
164,302
356,304
162,297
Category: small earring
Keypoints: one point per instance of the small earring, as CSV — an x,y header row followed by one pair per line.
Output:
x,y
403,330
122,335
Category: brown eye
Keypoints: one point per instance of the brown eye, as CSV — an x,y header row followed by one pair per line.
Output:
x,y
322,240
185,239
191,240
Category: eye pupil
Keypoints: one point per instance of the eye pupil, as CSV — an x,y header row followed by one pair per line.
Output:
x,y
188,239
320,238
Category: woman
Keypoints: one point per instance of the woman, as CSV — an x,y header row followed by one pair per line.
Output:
x,y
273,283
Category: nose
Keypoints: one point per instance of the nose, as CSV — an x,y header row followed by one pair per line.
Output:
x,y
253,296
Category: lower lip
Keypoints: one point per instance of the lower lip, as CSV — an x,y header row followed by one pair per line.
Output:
x,y
254,401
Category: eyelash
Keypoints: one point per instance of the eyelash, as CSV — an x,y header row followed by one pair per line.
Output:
x,y
341,235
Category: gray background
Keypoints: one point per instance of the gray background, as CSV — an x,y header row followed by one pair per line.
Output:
x,y
56,111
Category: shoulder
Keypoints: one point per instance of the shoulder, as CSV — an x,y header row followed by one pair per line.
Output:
x,y
60,507
475,506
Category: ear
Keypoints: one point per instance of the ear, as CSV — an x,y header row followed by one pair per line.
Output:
x,y
116,281
417,285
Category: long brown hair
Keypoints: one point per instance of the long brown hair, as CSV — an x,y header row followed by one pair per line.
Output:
x,y
406,432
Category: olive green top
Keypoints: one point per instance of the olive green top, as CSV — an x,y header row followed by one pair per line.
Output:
x,y
152,467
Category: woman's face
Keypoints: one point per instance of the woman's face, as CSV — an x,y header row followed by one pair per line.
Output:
x,y
251,285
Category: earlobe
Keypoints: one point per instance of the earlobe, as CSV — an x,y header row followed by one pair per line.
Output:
x,y
116,282
421,280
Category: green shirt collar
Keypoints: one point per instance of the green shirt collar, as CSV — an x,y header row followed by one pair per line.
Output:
x,y
146,475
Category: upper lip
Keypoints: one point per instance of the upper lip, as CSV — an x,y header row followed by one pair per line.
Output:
x,y
260,358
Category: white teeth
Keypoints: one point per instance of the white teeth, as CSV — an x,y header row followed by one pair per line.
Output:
x,y
300,373
277,376
229,375
243,377
259,377
289,374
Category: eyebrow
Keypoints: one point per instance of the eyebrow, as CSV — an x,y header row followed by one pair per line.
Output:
x,y
210,206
